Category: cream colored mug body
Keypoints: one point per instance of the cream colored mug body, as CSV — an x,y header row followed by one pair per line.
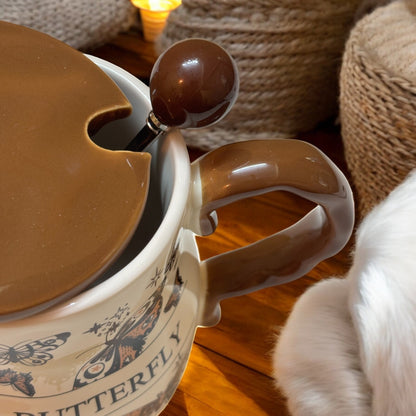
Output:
x,y
121,346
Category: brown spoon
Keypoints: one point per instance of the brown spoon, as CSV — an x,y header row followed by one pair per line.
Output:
x,y
193,84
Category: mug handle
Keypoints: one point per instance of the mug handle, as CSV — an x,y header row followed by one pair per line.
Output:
x,y
244,169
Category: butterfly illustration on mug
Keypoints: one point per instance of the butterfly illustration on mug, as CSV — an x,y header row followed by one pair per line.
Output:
x,y
19,381
32,353
125,336
125,333
28,353
175,296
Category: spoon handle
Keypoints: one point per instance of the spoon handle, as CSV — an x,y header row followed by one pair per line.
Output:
x,y
147,134
142,139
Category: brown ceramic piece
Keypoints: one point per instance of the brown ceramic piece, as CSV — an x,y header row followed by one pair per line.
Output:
x,y
67,206
240,170
193,84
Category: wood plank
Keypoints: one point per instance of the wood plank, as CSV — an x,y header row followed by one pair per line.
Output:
x,y
213,386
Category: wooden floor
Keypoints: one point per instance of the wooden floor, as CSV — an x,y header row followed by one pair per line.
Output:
x,y
229,372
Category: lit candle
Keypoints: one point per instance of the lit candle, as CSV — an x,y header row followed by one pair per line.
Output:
x,y
154,14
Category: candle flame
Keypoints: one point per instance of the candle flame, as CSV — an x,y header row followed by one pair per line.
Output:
x,y
157,5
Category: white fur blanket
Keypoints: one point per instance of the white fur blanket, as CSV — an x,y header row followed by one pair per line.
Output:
x,y
349,345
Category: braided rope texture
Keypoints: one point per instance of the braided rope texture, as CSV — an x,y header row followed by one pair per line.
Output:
x,y
288,53
378,102
82,24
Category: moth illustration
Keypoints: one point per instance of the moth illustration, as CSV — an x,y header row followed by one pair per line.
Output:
x,y
176,293
19,381
32,353
124,342
173,258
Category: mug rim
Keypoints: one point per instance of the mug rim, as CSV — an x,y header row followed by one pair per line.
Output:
x,y
93,296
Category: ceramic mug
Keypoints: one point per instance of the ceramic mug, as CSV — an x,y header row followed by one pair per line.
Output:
x,y
121,346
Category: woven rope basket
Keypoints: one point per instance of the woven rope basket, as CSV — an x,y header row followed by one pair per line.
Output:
x,y
82,24
288,53
378,102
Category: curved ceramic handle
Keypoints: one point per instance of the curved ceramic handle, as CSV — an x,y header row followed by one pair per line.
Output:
x,y
244,169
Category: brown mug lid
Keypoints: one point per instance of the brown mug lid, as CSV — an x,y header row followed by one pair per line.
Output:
x,y
67,206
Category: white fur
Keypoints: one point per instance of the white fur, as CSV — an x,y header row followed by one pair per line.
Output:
x,y
349,346
317,358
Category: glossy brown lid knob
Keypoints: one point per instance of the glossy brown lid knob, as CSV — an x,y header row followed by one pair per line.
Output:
x,y
194,83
